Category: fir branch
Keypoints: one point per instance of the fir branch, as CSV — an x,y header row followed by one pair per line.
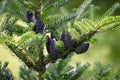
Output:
x,y
62,64
24,73
8,24
66,52
93,29
20,53
59,5
70,17
59,22
102,72
5,22
92,10
109,27
25,37
5,73
51,20
36,42
90,25
5,65
114,20
111,10
82,8
40,62
79,72
74,33
52,8
4,37
85,15
84,26
16,14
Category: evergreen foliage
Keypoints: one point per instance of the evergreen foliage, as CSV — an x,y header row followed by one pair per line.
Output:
x,y
5,73
25,76
68,34
63,71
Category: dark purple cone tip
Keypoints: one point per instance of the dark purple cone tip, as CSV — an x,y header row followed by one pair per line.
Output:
x,y
39,27
63,36
82,48
53,42
67,39
48,41
29,15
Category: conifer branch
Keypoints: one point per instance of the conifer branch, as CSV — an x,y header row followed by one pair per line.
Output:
x,y
20,53
66,52
82,8
111,10
5,73
30,47
79,72
59,22
59,5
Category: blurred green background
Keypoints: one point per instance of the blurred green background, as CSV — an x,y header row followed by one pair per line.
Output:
x,y
106,49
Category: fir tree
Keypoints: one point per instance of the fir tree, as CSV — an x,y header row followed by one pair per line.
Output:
x,y
47,28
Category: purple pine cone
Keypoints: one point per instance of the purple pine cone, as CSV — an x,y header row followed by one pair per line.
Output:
x,y
48,43
67,39
54,51
63,36
29,15
52,48
39,27
82,48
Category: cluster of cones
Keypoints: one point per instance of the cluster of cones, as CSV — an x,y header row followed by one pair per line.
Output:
x,y
39,25
51,46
